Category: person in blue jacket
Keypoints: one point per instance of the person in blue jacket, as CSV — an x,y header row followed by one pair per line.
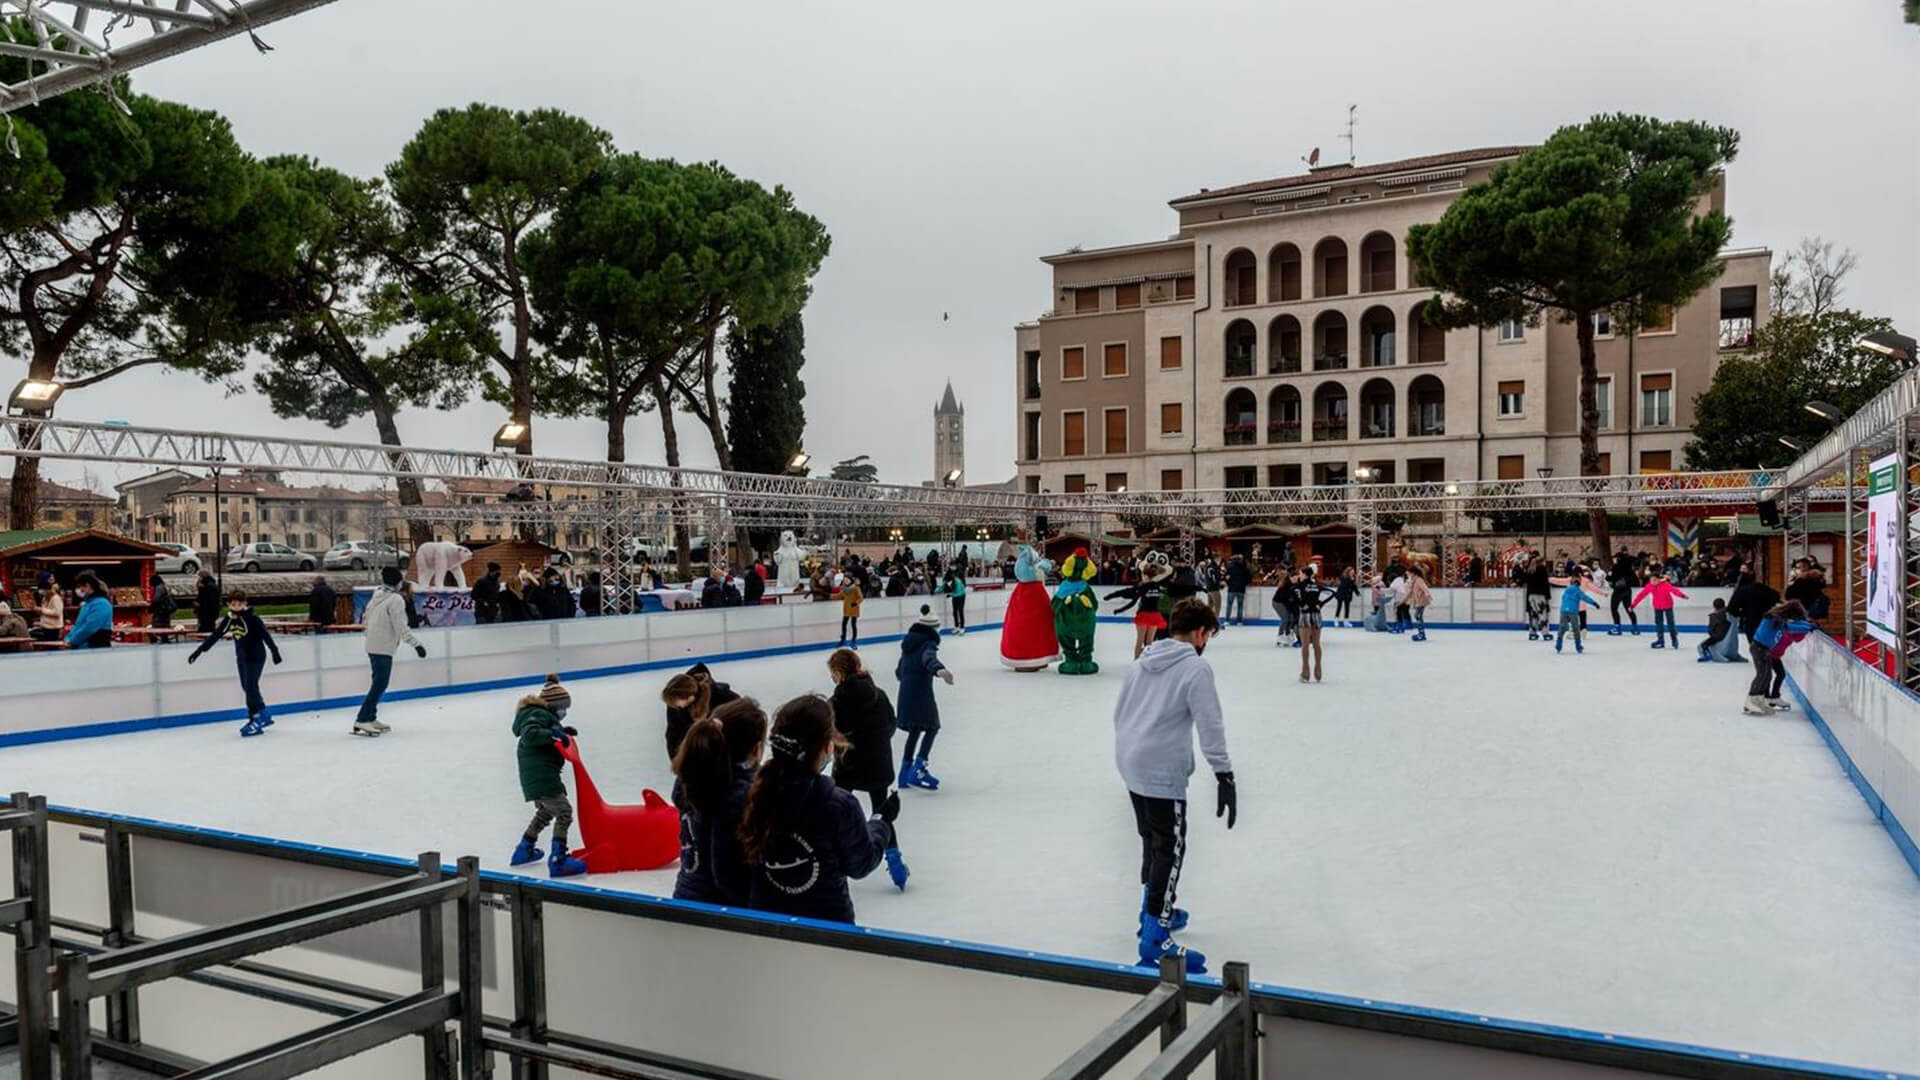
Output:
x,y
715,767
93,624
804,837
251,645
919,714
1571,598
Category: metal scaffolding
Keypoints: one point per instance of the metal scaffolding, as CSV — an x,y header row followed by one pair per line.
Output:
x,y
68,53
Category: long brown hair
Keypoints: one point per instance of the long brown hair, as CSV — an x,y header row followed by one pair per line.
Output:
x,y
686,686
802,733
705,760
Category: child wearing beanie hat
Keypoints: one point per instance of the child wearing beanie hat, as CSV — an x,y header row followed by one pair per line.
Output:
x,y
537,727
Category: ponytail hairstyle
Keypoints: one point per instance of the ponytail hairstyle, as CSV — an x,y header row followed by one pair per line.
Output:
x,y
745,725
802,734
686,686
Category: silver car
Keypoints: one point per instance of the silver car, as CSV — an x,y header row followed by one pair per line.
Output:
x,y
182,560
361,554
255,557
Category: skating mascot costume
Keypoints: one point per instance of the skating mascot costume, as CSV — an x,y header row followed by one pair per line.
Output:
x,y
1075,609
1156,577
1027,642
787,558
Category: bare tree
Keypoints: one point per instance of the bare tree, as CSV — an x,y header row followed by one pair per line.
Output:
x,y
1807,280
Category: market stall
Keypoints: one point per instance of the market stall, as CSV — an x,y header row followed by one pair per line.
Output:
x,y
125,565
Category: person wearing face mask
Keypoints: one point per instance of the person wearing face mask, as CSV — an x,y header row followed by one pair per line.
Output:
x,y
803,837
1168,698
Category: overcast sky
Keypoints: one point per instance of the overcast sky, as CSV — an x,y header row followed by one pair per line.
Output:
x,y
946,148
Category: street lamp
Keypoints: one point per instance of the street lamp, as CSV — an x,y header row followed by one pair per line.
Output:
x,y
1794,445
952,479
1825,411
1888,343
1545,473
510,436
797,465
34,396
1365,474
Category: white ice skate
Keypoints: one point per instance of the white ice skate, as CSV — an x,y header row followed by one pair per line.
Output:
x,y
1756,706
371,731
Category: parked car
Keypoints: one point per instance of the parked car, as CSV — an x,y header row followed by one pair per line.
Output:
x,y
361,554
184,560
255,557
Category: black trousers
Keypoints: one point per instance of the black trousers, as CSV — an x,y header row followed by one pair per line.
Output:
x,y
1622,598
959,612
1162,824
876,798
1768,673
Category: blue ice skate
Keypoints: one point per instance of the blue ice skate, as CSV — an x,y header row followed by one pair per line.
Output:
x,y
897,868
1177,923
922,778
1156,941
265,718
526,853
252,727
561,864
909,771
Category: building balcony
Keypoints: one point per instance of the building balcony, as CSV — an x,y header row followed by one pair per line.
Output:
x,y
1283,365
1330,361
1329,430
1239,365
1032,391
1421,430
1238,434
1283,431
1736,334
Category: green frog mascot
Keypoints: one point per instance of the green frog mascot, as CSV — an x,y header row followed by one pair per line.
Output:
x,y
1074,611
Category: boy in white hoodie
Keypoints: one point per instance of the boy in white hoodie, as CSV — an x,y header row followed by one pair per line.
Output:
x,y
1168,696
386,619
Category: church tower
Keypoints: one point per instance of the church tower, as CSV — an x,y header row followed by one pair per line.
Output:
x,y
949,438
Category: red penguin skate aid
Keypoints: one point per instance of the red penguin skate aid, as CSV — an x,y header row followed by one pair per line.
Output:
x,y
618,837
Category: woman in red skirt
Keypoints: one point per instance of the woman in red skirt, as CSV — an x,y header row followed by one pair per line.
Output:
x,y
1156,573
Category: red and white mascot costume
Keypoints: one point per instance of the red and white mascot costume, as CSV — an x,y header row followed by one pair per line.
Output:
x,y
1027,639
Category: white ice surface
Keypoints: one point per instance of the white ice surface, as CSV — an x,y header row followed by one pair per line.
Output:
x,y
1470,823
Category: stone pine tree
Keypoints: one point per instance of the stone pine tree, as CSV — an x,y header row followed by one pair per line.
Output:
x,y
1608,216
766,417
471,186
91,210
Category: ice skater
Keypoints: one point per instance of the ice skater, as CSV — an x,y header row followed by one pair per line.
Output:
x,y
1621,578
919,665
957,589
1663,591
252,644
1572,598
713,770
1721,643
1168,698
538,729
1779,628
804,837
690,696
1309,597
864,718
1156,577
1398,594
1419,597
1537,580
1286,610
850,597
386,620
1343,595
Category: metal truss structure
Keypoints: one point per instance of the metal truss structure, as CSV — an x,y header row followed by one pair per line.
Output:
x,y
70,50
1837,468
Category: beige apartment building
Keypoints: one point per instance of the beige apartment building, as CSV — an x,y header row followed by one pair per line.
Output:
x,y
1275,340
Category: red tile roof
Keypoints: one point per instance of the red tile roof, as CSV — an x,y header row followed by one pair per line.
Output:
x,y
1340,174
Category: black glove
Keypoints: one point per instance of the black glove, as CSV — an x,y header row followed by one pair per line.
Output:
x,y
570,730
420,651
1229,806
890,809
276,658
564,736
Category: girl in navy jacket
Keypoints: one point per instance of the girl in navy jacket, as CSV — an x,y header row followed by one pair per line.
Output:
x,y
803,836
251,645
715,764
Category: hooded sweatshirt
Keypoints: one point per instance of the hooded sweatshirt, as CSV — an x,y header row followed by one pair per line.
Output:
x,y
1169,693
1663,593
386,620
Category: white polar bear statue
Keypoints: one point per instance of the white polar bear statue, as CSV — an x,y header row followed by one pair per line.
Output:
x,y
788,560
435,559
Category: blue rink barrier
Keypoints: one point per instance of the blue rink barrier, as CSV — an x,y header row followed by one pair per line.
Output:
x,y
1373,1037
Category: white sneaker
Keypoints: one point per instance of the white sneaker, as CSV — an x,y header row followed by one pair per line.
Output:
x,y
371,731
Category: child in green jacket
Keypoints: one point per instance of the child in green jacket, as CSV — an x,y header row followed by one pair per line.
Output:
x,y
537,725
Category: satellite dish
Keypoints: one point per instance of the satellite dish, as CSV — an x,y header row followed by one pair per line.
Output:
x,y
1313,158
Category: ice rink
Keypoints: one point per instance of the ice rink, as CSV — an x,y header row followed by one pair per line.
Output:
x,y
1473,822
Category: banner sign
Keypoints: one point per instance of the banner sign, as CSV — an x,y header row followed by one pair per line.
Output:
x,y
1883,568
1683,535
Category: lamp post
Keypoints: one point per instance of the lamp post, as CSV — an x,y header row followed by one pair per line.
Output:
x,y
797,464
219,526
1888,343
1545,473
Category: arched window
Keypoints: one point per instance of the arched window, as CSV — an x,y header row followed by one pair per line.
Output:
x,y
1241,343
1330,341
1283,415
1330,267
1283,273
1283,345
1239,279
1376,410
1377,343
1243,413
1427,406
1378,263
1330,413
1426,343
